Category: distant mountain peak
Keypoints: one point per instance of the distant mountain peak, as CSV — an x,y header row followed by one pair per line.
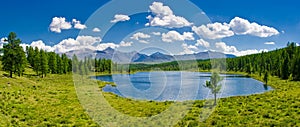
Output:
x,y
118,56
109,50
157,53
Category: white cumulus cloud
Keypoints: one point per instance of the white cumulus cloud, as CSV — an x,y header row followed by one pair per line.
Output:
x,y
120,18
24,46
70,44
222,47
82,42
270,43
165,17
144,41
203,43
41,45
96,29
226,49
172,36
78,25
104,46
125,44
141,37
2,41
188,49
213,31
88,40
244,27
156,33
58,24
237,26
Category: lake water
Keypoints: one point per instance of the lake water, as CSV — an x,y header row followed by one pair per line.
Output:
x,y
178,86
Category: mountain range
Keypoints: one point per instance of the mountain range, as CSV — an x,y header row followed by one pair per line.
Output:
x,y
136,57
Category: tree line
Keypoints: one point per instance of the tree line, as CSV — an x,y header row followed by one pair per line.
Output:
x,y
284,63
15,59
43,62
87,65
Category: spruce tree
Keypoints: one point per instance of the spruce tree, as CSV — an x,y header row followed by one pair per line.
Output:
x,y
30,55
214,85
14,59
59,64
65,63
52,62
266,77
37,61
75,64
285,66
44,63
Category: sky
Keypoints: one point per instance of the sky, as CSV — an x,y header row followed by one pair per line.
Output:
x,y
174,27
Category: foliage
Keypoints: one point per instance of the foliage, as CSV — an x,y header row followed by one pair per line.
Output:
x,y
43,62
266,77
14,59
214,85
281,62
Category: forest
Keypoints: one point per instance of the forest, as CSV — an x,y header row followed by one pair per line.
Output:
x,y
15,60
284,63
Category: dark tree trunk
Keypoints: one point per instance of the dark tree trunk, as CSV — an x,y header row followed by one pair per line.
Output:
x,y
10,74
215,99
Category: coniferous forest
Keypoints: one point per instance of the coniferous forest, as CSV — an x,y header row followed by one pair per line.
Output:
x,y
284,63
15,60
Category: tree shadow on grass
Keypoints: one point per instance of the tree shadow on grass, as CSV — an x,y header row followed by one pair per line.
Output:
x,y
7,76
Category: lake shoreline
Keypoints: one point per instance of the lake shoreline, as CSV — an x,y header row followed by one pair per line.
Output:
x,y
235,75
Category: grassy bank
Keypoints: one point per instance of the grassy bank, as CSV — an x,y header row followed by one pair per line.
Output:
x,y
280,107
52,101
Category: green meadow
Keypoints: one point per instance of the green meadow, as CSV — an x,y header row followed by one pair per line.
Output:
x,y
52,101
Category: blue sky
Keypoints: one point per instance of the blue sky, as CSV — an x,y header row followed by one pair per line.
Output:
x,y
259,25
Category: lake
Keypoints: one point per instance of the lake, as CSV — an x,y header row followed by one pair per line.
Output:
x,y
178,86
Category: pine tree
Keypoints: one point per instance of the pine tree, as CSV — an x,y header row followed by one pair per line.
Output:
x,y
30,55
59,64
296,65
52,62
44,63
86,68
14,59
21,61
75,64
214,84
266,77
285,66
65,63
37,62
81,68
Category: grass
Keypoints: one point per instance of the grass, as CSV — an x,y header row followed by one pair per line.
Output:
x,y
52,101
280,107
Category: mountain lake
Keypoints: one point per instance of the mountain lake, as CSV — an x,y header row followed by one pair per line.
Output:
x,y
179,86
